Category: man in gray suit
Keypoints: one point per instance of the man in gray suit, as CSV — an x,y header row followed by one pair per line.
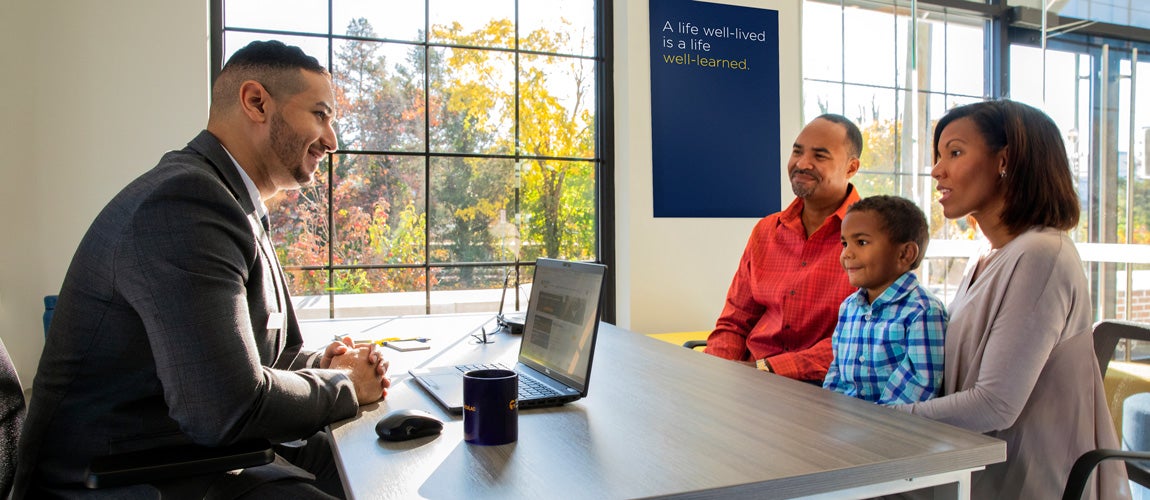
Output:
x,y
174,324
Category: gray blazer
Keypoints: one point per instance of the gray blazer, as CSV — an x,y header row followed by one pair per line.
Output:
x,y
161,334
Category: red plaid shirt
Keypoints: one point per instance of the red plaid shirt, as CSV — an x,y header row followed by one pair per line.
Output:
x,y
784,300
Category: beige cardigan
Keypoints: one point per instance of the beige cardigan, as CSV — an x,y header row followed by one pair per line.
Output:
x,y
1020,367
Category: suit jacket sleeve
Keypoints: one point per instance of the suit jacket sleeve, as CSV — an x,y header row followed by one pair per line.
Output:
x,y
186,266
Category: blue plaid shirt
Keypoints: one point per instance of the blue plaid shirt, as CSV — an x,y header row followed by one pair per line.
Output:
x,y
889,351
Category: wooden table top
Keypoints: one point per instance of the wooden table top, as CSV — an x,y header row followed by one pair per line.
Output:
x,y
659,420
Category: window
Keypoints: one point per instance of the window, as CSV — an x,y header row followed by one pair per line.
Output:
x,y
895,70
471,141
897,66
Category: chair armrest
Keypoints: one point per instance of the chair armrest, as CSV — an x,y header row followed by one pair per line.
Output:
x,y
691,344
158,464
1080,473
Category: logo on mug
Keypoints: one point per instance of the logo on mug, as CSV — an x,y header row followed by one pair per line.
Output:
x,y
511,405
469,407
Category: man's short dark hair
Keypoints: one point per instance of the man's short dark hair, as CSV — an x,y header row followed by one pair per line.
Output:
x,y
272,63
854,136
274,54
902,220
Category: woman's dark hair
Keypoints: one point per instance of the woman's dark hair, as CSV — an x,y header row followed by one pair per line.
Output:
x,y
1038,187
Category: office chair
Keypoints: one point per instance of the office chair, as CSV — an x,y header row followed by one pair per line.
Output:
x,y
146,466
49,308
1107,334
11,418
1084,466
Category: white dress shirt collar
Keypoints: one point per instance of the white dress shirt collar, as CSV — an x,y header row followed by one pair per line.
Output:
x,y
253,191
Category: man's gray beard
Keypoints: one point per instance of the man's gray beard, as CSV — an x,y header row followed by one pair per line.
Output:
x,y
800,190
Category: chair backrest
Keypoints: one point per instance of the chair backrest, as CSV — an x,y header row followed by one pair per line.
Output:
x,y
1107,334
49,308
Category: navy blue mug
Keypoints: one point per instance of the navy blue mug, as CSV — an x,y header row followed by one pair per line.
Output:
x,y
490,407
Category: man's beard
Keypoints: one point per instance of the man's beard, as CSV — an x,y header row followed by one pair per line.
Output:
x,y
802,189
286,145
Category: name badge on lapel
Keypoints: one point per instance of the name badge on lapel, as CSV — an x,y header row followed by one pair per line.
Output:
x,y
275,321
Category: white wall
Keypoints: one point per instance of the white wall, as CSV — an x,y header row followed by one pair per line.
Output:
x,y
673,274
95,92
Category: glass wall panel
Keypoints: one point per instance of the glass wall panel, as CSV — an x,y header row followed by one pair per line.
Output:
x,y
1120,12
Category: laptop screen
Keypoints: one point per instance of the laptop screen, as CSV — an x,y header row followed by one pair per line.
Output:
x,y
562,318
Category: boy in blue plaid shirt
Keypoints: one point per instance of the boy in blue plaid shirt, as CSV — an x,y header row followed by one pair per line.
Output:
x,y
888,344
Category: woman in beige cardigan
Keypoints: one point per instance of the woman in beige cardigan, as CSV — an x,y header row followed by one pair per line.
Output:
x,y
1020,364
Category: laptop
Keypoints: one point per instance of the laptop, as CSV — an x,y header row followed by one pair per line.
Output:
x,y
558,342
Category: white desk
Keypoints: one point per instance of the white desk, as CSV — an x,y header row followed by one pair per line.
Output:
x,y
659,421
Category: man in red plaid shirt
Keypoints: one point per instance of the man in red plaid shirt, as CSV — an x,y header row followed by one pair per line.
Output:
x,y
784,299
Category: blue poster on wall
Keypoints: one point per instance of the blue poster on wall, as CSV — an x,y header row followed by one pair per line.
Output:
x,y
714,109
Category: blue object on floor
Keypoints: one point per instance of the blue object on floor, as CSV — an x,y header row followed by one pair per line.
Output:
x,y
1136,434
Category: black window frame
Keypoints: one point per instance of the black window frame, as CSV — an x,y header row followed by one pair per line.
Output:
x,y
603,158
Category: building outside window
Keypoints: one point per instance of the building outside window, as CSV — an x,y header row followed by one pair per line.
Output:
x,y
469,145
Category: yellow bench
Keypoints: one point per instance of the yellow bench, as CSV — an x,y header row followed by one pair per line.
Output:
x,y
678,338
1124,379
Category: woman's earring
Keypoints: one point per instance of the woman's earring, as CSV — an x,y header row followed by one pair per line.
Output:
x,y
1002,174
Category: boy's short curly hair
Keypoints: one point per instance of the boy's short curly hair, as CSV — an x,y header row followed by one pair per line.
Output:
x,y
902,220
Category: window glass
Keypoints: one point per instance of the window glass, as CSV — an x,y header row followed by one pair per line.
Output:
x,y
457,156
869,48
299,226
468,198
874,111
895,80
390,19
379,92
378,209
565,191
558,26
556,103
822,41
472,101
821,97
303,16
965,59
489,23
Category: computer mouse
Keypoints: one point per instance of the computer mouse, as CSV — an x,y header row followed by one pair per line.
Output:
x,y
401,425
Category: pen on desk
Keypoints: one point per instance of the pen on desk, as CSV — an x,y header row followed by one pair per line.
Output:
x,y
382,341
397,339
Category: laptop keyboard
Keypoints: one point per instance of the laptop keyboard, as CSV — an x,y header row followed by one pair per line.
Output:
x,y
529,388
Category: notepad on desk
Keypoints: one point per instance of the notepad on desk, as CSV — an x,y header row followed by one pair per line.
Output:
x,y
406,345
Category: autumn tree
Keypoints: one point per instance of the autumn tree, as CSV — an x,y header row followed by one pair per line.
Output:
x,y
451,147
